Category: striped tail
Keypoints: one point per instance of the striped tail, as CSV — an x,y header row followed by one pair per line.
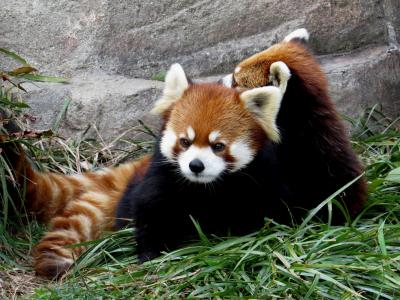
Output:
x,y
79,208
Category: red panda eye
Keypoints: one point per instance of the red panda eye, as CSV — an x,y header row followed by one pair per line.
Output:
x,y
185,143
218,147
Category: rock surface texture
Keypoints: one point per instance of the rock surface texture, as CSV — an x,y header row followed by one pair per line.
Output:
x,y
105,45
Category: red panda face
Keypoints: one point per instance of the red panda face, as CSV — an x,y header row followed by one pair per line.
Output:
x,y
210,130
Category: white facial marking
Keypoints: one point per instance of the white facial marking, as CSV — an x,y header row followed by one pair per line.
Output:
x,y
227,80
212,137
237,69
300,33
168,142
190,132
242,153
213,164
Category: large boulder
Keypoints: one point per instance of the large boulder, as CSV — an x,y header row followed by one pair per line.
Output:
x,y
98,105
364,79
357,41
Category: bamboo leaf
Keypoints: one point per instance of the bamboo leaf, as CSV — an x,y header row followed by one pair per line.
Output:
x,y
394,175
43,78
9,103
381,238
14,56
61,115
22,70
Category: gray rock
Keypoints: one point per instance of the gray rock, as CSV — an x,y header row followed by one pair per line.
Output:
x,y
92,40
392,17
341,26
361,80
101,106
139,38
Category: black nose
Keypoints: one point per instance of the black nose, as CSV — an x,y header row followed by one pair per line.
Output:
x,y
196,166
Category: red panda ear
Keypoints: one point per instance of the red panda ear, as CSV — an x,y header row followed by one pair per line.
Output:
x,y
279,75
226,80
264,104
300,35
175,84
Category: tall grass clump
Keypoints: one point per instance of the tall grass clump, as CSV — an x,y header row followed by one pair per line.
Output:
x,y
17,232
13,123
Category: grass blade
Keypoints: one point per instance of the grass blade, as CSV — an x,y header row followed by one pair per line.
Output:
x,y
14,56
43,78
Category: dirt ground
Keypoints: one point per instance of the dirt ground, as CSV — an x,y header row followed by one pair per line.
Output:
x,y
18,283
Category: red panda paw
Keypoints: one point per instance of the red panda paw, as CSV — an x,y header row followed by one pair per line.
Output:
x,y
52,266
52,258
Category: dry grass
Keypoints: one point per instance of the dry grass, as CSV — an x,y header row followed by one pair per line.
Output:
x,y
17,283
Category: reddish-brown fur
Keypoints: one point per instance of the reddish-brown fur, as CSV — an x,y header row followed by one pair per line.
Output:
x,y
201,102
254,71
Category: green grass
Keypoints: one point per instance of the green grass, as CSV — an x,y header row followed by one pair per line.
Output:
x,y
159,76
311,260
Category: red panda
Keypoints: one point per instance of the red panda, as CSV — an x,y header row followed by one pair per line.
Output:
x,y
315,153
215,162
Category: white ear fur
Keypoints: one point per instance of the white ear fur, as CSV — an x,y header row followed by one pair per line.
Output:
x,y
301,34
175,84
264,103
279,75
227,80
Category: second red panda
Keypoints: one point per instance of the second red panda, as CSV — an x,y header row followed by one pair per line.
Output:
x,y
315,152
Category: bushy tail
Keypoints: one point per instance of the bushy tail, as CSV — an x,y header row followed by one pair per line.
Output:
x,y
77,208
42,195
84,217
